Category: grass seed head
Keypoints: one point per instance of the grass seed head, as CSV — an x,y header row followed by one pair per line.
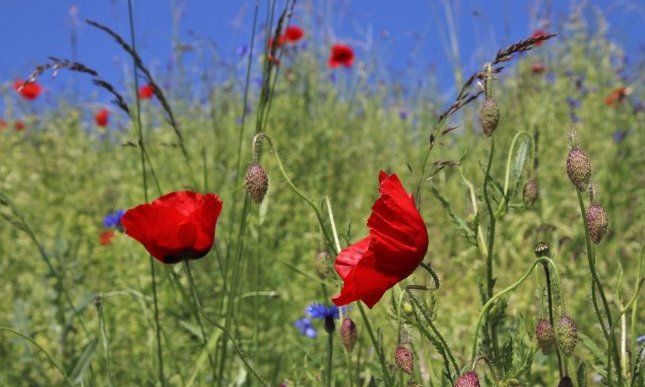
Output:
x,y
489,116
257,182
598,222
578,168
404,359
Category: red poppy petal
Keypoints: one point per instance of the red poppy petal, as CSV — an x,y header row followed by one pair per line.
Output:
x,y
349,257
149,225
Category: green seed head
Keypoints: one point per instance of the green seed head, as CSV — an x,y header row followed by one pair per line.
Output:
x,y
598,222
256,182
468,379
544,335
530,193
489,116
566,334
348,334
404,359
578,168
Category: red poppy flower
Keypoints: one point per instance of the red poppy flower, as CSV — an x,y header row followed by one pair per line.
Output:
x,y
395,246
538,34
146,92
29,91
3,124
19,125
616,96
341,55
177,226
102,117
537,68
105,238
292,34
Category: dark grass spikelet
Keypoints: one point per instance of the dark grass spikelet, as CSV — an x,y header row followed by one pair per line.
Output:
x,y
566,333
530,192
404,359
489,116
544,335
348,334
565,381
578,168
598,222
257,182
468,379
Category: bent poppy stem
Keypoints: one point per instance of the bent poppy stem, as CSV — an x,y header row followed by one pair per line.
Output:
x,y
432,273
493,299
547,274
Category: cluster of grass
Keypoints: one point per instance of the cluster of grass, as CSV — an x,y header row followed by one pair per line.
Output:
x,y
90,307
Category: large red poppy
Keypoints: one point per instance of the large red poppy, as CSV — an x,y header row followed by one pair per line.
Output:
x,y
396,245
29,91
146,92
177,226
341,55
102,117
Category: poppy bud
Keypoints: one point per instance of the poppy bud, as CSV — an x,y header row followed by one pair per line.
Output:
x,y
530,192
468,379
257,182
565,382
542,249
597,221
404,359
578,168
567,334
329,324
348,334
407,308
322,264
544,335
489,116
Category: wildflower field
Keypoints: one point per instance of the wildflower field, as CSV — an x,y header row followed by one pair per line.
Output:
x,y
299,222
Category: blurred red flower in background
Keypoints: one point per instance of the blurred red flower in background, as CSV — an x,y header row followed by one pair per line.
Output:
x,y
292,35
395,246
3,124
146,92
19,125
176,226
29,91
341,55
105,238
538,34
102,117
616,96
537,68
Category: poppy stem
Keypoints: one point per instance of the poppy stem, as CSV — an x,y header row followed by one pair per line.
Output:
x,y
432,273
330,353
377,346
551,318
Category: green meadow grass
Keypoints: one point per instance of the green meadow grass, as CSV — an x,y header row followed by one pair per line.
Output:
x,y
333,139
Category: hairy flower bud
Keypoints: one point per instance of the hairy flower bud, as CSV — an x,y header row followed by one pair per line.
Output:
x,y
565,381
544,335
468,379
404,359
257,182
489,116
321,263
578,168
530,192
542,249
597,221
566,334
348,334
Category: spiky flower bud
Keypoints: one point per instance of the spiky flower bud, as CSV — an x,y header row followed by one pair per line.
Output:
x,y
321,263
489,116
404,359
530,193
257,182
578,168
566,334
565,381
542,249
544,335
468,379
598,221
348,334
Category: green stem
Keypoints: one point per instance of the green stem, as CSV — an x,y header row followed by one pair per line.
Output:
x,y
613,347
551,318
330,352
377,346
50,357
490,282
504,203
492,300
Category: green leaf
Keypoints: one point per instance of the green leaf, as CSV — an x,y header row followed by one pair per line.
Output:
x,y
581,375
507,355
83,361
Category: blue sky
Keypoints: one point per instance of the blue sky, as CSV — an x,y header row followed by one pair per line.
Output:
x,y
400,33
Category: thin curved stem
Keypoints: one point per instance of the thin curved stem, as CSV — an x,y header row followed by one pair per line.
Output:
x,y
504,204
551,318
490,282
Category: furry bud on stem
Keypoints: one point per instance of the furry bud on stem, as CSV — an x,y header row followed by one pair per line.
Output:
x,y
348,334
578,168
597,221
468,379
565,381
566,333
256,182
544,335
489,116
530,193
404,359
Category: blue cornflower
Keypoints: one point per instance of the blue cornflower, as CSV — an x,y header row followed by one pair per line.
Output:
x,y
320,311
573,103
305,327
619,136
113,220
